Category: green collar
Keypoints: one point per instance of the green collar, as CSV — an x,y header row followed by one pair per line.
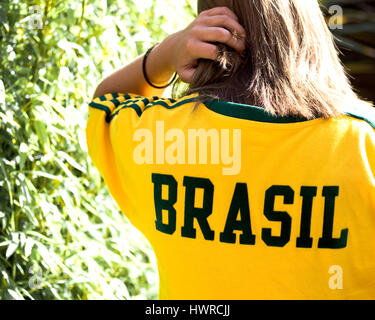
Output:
x,y
247,112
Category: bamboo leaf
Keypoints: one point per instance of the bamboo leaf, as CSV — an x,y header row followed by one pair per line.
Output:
x,y
12,247
41,131
15,294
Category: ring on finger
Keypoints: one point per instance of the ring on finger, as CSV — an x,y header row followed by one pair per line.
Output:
x,y
235,35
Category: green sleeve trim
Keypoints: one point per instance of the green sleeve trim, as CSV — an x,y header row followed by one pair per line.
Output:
x,y
133,106
98,106
133,103
116,103
172,106
149,105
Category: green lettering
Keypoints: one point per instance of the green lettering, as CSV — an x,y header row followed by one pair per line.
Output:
x,y
327,241
240,203
304,240
200,214
282,216
165,204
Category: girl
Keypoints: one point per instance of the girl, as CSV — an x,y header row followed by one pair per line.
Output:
x,y
257,183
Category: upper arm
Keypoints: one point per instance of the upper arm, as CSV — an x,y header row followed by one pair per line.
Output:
x,y
100,142
106,140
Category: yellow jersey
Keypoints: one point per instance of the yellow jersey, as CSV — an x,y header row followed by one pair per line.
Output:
x,y
239,204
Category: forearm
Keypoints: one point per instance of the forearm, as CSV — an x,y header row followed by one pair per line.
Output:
x,y
130,79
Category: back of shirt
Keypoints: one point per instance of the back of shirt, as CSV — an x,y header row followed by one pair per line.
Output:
x,y
238,204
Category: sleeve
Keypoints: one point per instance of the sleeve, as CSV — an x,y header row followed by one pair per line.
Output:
x,y
100,144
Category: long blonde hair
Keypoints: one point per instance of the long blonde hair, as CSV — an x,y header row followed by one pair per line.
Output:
x,y
291,68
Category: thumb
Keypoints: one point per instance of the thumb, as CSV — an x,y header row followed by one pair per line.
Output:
x,y
186,74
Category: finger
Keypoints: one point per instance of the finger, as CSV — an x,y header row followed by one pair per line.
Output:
x,y
215,34
226,22
202,50
220,11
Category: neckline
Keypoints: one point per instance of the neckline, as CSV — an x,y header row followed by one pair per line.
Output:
x,y
248,112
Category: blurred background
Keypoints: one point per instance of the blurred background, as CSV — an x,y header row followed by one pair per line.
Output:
x,y
61,234
356,40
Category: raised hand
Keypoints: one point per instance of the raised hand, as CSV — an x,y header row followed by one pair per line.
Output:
x,y
197,41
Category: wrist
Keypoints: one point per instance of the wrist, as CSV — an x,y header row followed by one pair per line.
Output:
x,y
160,67
169,48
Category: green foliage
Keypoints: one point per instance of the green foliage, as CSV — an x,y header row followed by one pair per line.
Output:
x,y
61,234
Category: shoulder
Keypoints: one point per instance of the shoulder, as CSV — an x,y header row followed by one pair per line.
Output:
x,y
114,104
363,113
169,104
